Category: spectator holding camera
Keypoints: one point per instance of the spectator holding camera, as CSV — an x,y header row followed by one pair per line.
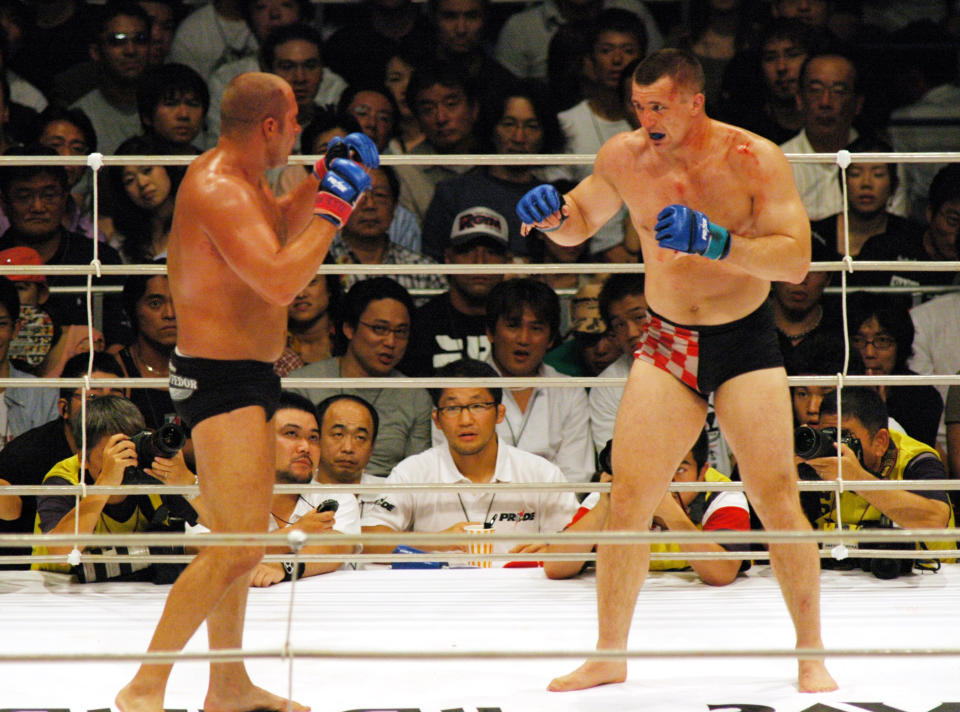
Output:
x,y
28,458
110,424
678,511
884,455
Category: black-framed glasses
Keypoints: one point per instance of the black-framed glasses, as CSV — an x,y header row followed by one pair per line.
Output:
x,y
475,409
382,330
880,342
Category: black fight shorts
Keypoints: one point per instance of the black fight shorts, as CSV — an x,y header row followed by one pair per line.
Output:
x,y
704,357
202,387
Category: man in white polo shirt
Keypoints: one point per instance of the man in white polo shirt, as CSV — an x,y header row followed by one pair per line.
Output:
x,y
472,454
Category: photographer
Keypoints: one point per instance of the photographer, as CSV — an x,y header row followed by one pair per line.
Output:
x,y
884,455
110,423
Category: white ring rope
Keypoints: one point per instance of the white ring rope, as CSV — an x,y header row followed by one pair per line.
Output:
x,y
838,536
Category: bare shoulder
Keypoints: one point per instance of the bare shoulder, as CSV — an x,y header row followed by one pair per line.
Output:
x,y
621,152
749,153
216,190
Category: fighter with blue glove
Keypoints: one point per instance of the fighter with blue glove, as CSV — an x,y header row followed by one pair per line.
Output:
x,y
686,230
342,176
538,206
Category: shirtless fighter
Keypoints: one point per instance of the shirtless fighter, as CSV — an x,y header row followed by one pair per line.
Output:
x,y
237,258
708,330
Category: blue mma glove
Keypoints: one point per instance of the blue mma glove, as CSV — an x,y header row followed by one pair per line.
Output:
x,y
685,230
341,187
356,146
540,203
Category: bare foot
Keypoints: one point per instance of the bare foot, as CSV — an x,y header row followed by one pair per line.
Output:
x,y
813,677
591,674
130,699
254,698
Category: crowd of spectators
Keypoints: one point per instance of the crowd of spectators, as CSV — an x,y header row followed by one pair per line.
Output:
x,y
141,78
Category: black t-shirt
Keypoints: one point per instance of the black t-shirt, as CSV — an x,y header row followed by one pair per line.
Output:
x,y
25,461
902,242
440,334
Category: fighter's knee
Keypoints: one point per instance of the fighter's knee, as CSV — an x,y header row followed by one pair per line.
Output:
x,y
240,560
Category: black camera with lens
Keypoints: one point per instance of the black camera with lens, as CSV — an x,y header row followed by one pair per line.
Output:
x,y
165,441
885,568
810,443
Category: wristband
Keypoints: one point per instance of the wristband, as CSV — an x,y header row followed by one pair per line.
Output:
x,y
719,245
290,566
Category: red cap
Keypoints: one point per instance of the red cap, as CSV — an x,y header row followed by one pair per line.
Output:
x,y
22,256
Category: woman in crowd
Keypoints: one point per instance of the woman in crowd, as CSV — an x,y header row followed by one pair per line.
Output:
x,y
144,196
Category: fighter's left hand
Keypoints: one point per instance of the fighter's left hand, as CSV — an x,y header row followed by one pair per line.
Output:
x,y
267,575
686,230
828,468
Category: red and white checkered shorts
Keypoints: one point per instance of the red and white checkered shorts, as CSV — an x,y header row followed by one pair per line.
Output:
x,y
704,357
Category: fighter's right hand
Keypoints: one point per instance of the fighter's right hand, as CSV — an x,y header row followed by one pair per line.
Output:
x,y
340,190
543,208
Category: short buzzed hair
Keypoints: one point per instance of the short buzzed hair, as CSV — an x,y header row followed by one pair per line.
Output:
x,y
680,65
250,99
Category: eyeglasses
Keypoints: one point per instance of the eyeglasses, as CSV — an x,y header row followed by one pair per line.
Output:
x,y
382,330
475,409
25,196
118,39
879,342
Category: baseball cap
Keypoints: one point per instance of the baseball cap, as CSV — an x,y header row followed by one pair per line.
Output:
x,y
22,256
585,310
478,223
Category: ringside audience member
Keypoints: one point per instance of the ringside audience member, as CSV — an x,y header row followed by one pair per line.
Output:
x,y
521,121
70,133
937,242
376,326
36,200
524,41
830,99
870,187
311,324
365,239
523,319
120,47
882,332
472,453
616,39
29,457
149,307
591,345
109,425
452,325
143,199
297,456
446,103
21,408
881,454
678,511
172,101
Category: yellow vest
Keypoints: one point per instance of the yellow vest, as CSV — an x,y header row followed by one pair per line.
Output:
x,y
138,521
855,509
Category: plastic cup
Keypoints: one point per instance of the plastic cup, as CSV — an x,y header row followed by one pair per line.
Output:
x,y
481,546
